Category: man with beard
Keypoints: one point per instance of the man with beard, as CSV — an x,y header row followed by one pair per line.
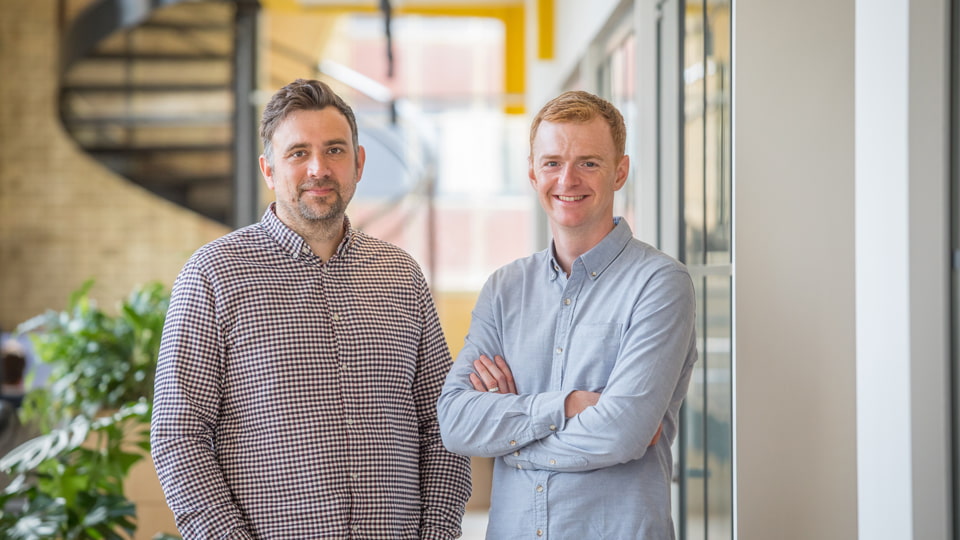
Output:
x,y
301,362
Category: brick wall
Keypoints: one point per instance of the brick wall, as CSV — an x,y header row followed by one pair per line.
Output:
x,y
63,217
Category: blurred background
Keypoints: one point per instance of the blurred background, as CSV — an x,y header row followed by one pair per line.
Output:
x,y
128,139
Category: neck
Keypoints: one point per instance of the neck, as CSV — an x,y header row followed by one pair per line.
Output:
x,y
324,237
570,244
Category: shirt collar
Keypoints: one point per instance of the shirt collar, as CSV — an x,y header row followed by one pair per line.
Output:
x,y
599,257
294,244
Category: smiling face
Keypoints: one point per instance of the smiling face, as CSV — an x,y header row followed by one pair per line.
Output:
x,y
313,169
575,169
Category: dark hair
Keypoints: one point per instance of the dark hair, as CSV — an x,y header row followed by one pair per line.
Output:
x,y
302,95
578,106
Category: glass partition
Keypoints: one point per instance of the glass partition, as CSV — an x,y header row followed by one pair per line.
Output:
x,y
692,185
706,456
617,83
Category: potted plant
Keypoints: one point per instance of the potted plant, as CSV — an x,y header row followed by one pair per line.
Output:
x,y
69,481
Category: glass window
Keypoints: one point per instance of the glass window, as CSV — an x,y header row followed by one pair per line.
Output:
x,y
693,190
706,467
617,83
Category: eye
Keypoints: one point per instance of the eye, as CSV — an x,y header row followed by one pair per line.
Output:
x,y
298,154
336,150
590,164
551,164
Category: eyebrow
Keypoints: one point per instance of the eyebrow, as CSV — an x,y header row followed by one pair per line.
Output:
x,y
588,157
295,146
302,145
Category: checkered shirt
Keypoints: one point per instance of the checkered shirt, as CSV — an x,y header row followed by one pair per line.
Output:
x,y
296,398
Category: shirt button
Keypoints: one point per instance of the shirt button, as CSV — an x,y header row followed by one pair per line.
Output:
x,y
517,453
594,274
349,421
519,466
553,462
513,443
539,532
553,427
539,489
354,476
336,316
566,301
559,350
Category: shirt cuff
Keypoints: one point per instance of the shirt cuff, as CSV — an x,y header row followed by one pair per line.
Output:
x,y
548,412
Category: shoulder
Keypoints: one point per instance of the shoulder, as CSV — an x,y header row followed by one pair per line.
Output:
x,y
237,243
382,256
645,269
220,262
238,248
651,259
520,270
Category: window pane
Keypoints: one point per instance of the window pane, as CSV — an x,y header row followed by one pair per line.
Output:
x,y
707,466
694,132
617,74
717,192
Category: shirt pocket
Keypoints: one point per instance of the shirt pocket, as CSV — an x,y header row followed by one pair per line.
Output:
x,y
591,356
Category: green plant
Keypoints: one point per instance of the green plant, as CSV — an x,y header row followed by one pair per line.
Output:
x,y
69,481
98,360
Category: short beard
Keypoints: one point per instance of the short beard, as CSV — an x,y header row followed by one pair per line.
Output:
x,y
335,211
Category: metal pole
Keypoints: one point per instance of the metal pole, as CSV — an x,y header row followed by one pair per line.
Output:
x,y
246,200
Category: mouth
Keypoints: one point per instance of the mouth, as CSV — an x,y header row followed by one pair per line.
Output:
x,y
566,198
317,189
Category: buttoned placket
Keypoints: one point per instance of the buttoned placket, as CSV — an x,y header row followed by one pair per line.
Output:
x,y
337,319
570,288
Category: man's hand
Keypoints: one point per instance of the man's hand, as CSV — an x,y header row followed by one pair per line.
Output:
x,y
492,376
578,400
656,436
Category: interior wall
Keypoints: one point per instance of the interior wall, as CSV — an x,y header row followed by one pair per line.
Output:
x,y
795,354
903,373
576,24
63,217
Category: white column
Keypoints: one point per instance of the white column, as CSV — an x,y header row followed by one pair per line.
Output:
x,y
795,378
902,274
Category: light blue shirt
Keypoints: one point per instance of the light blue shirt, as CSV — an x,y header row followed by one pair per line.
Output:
x,y
621,324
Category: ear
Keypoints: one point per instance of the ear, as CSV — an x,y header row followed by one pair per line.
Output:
x,y
623,170
531,173
361,159
267,172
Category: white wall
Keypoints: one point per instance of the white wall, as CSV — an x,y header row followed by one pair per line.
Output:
x,y
576,25
795,427
902,279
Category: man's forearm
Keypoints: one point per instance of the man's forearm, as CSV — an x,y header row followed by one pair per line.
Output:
x,y
196,490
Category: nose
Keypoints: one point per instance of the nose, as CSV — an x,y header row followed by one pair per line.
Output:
x,y
317,166
568,176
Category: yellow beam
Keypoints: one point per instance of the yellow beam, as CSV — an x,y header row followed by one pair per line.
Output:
x,y
512,16
545,22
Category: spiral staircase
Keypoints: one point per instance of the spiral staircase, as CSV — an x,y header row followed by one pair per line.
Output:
x,y
159,92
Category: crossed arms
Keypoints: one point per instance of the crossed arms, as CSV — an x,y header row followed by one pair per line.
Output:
x,y
572,429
